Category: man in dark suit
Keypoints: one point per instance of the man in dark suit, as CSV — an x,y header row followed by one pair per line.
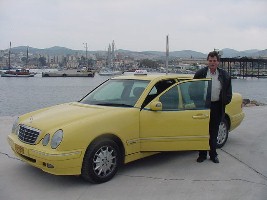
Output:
x,y
221,95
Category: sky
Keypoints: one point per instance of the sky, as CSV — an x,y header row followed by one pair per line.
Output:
x,y
136,25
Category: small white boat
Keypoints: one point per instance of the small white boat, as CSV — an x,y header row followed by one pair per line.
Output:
x,y
109,73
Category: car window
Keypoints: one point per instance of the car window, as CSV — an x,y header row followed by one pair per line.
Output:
x,y
111,91
137,88
158,88
170,99
123,92
196,94
187,96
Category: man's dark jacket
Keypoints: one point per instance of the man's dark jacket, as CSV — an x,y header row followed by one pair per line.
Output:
x,y
225,79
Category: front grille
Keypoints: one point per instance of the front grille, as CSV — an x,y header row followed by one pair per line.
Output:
x,y
28,134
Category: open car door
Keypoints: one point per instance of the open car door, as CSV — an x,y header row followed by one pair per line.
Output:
x,y
177,119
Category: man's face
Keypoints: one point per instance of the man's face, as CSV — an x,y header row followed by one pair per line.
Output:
x,y
213,63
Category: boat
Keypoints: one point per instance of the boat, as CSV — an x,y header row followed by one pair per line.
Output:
x,y
21,72
107,72
69,73
17,73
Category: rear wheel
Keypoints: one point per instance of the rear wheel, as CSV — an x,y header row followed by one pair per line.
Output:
x,y
222,134
101,161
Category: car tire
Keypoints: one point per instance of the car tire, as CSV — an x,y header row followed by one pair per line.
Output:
x,y
223,133
101,161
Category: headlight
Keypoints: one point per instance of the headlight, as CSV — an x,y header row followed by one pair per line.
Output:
x,y
15,127
56,139
46,139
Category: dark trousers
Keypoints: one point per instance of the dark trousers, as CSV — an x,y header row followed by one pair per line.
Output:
x,y
215,120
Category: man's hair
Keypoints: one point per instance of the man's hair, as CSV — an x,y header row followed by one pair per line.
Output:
x,y
212,54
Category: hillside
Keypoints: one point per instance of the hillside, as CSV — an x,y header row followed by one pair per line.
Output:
x,y
227,53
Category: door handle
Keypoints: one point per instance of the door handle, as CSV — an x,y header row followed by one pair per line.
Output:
x,y
200,116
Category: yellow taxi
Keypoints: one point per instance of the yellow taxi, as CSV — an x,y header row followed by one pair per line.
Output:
x,y
123,119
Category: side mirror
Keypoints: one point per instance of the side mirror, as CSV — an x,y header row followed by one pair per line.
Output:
x,y
156,106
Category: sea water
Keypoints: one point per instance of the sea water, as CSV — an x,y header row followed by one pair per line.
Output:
x,y
22,95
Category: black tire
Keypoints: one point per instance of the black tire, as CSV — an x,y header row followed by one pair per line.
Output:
x,y
101,161
222,134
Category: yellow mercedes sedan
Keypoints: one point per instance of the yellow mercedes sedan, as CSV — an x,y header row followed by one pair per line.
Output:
x,y
123,119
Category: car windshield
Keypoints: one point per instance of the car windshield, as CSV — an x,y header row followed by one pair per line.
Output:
x,y
121,93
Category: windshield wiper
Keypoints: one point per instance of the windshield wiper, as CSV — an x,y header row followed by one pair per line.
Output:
x,y
114,104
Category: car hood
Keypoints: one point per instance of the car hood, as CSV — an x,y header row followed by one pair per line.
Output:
x,y
57,117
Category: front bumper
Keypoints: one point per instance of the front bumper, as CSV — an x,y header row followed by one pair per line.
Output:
x,y
51,161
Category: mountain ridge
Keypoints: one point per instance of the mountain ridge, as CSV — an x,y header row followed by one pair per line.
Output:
x,y
227,52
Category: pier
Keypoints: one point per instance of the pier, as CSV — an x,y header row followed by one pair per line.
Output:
x,y
245,67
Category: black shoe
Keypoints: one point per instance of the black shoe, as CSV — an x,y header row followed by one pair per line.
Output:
x,y
201,159
215,159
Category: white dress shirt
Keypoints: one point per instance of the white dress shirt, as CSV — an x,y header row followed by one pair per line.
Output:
x,y
216,85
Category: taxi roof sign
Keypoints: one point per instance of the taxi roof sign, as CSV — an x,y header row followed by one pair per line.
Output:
x,y
140,72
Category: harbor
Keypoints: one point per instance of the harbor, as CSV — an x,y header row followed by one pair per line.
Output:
x,y
21,95
114,62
